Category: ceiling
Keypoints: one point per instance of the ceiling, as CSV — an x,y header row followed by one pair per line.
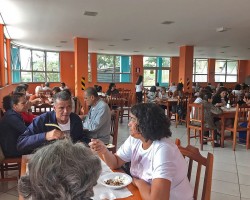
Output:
x,y
53,24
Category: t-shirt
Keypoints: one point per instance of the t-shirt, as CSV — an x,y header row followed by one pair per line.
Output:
x,y
65,128
161,160
138,88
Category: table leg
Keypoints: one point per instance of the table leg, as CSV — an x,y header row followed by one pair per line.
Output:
x,y
222,131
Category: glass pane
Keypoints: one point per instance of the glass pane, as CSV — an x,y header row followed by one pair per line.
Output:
x,y
106,78
231,78
89,63
149,77
122,78
232,67
200,78
15,64
52,61
105,63
219,78
38,77
149,61
5,53
16,77
38,60
220,67
165,76
201,66
53,77
25,58
26,77
89,77
165,62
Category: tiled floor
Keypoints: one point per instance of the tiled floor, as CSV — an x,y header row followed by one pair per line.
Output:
x,y
231,174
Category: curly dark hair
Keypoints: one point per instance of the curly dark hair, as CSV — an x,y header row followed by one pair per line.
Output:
x,y
153,124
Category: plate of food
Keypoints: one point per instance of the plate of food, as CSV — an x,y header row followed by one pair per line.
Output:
x,y
115,180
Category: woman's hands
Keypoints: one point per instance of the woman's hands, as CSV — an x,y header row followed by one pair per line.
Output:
x,y
98,146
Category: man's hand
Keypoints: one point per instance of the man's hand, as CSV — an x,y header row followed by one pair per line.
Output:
x,y
98,146
54,135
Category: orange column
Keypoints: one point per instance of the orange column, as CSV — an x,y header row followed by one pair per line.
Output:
x,y
242,66
2,70
81,65
93,62
136,67
186,67
8,46
211,71
174,70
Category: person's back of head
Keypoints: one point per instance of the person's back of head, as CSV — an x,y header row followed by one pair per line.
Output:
x,y
111,85
61,170
237,87
139,80
20,89
7,105
56,90
46,84
179,86
99,88
152,89
91,92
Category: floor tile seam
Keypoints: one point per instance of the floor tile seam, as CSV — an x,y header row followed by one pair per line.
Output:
x,y
237,174
244,185
225,193
225,181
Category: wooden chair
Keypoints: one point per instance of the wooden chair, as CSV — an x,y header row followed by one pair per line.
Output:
x,y
193,155
43,108
195,121
9,164
241,116
114,129
116,102
127,107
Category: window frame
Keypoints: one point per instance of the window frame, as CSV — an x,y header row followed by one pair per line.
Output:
x,y
199,74
114,73
226,74
31,70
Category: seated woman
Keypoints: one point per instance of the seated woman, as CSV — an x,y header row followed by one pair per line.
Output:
x,y
151,96
179,91
220,98
61,170
112,90
157,166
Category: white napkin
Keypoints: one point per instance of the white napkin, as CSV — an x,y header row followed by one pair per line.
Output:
x,y
100,189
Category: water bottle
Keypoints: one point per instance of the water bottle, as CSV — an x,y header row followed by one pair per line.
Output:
x,y
228,104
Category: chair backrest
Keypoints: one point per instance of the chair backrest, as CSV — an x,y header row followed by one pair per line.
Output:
x,y
193,155
195,114
43,108
116,101
8,164
242,115
114,128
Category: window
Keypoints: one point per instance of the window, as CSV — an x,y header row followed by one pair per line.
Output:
x,y
156,70
113,68
30,65
200,69
226,71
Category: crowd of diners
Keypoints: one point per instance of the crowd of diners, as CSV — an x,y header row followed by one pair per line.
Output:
x,y
64,144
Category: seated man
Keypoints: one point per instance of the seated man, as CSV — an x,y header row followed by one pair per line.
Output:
x,y
98,120
52,125
61,170
12,124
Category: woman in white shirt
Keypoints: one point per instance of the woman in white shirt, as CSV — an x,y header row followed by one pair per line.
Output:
x,y
157,166
139,88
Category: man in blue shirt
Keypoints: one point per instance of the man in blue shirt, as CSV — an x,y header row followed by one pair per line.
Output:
x,y
57,124
98,120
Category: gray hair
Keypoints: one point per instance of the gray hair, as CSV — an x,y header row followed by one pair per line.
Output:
x,y
63,96
91,91
61,171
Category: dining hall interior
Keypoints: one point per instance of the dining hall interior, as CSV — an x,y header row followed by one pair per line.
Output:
x,y
197,45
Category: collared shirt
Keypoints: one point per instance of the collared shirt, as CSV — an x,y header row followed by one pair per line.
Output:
x,y
98,121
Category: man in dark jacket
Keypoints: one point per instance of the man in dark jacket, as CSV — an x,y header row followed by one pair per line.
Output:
x,y
57,124
12,124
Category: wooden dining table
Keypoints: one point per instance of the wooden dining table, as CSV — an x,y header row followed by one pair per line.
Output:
x,y
134,190
228,113
168,102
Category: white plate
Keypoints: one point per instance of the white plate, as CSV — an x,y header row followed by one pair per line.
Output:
x,y
126,179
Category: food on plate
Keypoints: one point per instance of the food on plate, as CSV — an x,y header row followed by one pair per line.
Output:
x,y
117,181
